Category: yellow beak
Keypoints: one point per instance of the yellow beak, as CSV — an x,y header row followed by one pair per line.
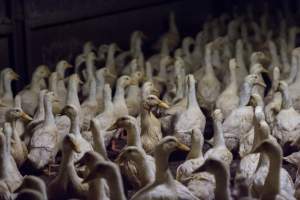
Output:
x,y
26,117
183,147
164,105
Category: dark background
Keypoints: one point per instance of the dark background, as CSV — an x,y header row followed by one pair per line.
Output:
x,y
34,32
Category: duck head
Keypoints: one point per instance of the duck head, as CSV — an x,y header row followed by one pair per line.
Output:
x,y
17,113
70,143
169,144
123,122
130,153
152,101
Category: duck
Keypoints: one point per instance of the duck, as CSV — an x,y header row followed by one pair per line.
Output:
x,y
67,184
60,69
111,173
287,121
219,150
129,168
43,145
7,98
201,184
277,182
208,88
154,60
220,171
98,189
119,102
83,144
10,176
107,117
164,185
30,94
228,100
151,132
239,122
18,147
8,76
190,118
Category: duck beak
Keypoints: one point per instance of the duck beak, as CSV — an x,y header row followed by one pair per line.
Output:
x,y
183,147
120,158
113,127
26,117
2,104
164,105
15,76
261,83
68,65
75,146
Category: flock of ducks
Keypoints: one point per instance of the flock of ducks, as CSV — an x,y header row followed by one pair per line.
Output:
x,y
229,98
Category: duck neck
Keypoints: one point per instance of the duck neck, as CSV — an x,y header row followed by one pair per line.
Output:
x,y
245,94
4,164
233,80
222,184
162,71
99,144
144,166
164,51
272,183
208,64
218,134
7,87
120,93
115,184
49,118
35,84
108,105
110,60
163,173
180,87
92,92
40,114
286,99
196,149
172,24
90,67
60,72
67,168
72,98
133,136
75,125
192,99
53,85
